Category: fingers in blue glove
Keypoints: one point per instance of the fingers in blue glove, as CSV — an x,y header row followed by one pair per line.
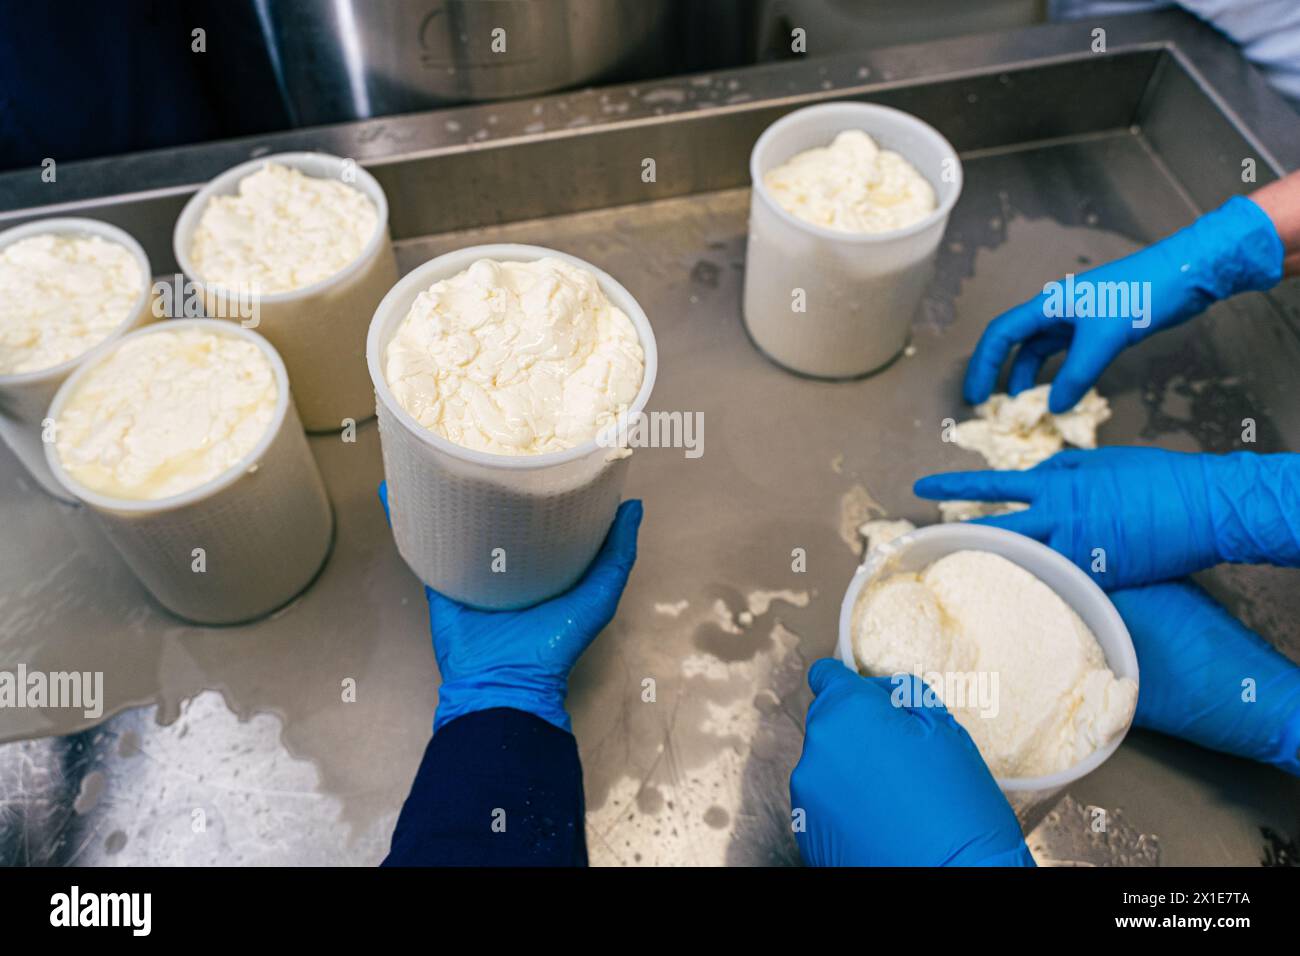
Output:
x,y
1229,250
1016,325
828,673
1083,365
981,485
608,571
1208,678
887,777
1021,486
614,561
1031,356
522,658
1127,516
597,591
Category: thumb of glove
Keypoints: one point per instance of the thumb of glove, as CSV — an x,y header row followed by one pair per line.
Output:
x,y
828,673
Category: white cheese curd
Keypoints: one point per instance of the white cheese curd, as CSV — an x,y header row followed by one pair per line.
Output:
x,y
281,231
1019,432
1013,433
852,186
975,613
166,412
515,358
60,296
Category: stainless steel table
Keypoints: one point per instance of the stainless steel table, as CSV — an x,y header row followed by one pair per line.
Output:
x,y
235,745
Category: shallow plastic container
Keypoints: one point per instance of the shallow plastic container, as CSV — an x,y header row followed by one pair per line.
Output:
x,y
265,525
25,396
861,290
1030,797
320,329
454,510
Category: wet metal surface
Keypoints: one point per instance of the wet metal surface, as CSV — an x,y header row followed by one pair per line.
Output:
x,y
240,745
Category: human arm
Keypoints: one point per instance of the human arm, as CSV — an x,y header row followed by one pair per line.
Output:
x,y
1280,201
500,782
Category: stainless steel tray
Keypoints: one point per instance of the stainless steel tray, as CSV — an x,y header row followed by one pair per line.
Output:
x,y
1072,157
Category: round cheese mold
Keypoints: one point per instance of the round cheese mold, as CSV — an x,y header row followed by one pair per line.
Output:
x,y
62,294
515,358
843,237
165,412
281,231
546,513
1026,677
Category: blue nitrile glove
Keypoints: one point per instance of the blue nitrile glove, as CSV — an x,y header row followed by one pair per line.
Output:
x,y
1157,515
1233,249
1201,667
522,659
880,785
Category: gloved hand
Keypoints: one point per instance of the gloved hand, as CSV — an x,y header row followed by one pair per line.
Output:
x,y
521,659
882,785
1195,660
1232,249
1157,515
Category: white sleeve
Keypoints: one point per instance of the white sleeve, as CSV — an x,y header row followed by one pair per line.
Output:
x,y
1267,31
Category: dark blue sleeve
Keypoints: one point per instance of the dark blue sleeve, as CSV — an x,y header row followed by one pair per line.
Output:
x,y
498,787
85,78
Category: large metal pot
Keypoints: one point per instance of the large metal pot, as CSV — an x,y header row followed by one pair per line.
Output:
x,y
350,59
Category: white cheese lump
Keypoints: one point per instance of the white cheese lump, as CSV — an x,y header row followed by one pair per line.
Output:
x,y
1017,432
515,358
60,296
975,613
282,230
852,186
166,412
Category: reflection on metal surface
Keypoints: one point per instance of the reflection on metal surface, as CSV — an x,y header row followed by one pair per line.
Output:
x,y
709,811
345,60
204,790
350,41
